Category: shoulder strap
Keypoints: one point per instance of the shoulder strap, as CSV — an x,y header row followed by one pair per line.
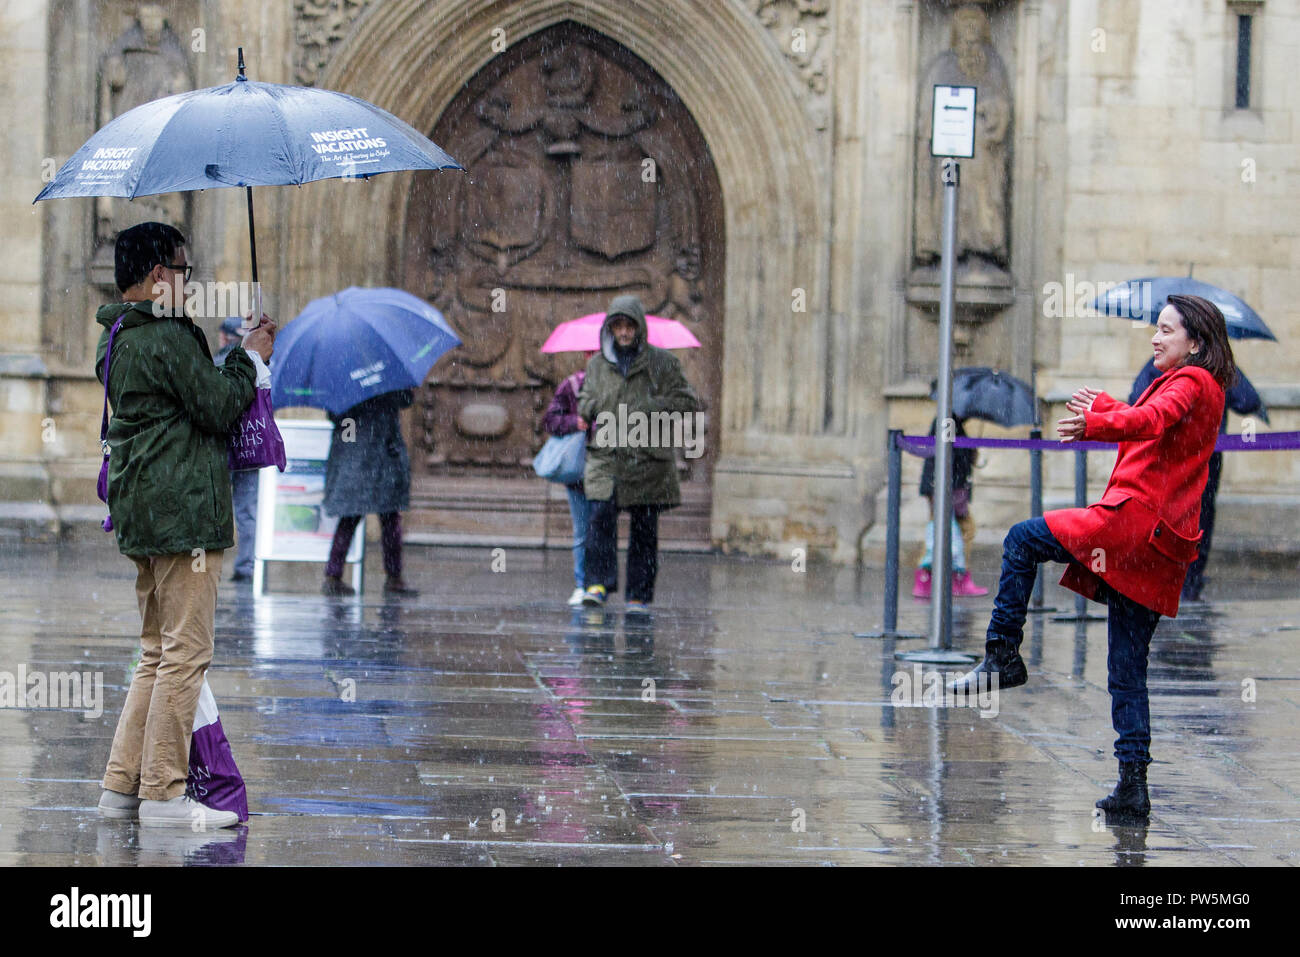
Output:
x,y
108,354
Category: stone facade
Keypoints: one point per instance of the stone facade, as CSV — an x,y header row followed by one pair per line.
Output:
x,y
1116,151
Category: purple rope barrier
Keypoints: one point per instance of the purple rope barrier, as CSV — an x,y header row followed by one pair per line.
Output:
x,y
923,445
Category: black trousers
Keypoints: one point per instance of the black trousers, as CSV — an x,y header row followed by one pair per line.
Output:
x,y
1196,571
642,549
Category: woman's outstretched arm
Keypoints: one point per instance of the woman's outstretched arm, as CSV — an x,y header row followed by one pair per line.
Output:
x,y
1147,421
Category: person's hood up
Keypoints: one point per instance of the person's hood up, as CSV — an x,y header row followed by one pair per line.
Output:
x,y
629,306
138,314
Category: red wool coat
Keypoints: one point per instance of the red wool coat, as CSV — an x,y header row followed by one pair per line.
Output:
x,y
1142,534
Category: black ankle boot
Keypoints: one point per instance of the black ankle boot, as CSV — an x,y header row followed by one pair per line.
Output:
x,y
999,659
1130,794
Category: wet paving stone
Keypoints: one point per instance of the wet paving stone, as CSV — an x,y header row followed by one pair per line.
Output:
x,y
485,723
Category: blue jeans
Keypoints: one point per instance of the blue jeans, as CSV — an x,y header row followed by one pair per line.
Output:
x,y
243,488
958,549
580,512
1129,628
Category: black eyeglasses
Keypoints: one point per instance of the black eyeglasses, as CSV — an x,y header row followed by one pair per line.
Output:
x,y
185,271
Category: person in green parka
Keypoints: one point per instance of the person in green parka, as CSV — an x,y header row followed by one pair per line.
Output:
x,y
629,382
169,500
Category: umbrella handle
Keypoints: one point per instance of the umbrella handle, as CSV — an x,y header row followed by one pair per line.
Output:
x,y
251,322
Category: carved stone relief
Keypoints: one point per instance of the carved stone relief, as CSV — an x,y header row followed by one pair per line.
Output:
x,y
144,63
802,30
318,27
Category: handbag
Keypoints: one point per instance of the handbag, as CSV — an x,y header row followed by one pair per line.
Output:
x,y
101,486
213,779
562,458
255,441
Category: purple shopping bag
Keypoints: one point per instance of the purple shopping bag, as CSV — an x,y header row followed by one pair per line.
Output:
x,y
255,442
214,779
101,486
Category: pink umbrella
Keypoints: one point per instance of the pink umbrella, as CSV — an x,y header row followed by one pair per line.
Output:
x,y
583,335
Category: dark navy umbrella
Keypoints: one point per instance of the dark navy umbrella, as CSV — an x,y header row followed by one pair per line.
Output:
x,y
243,134
355,345
1144,298
979,392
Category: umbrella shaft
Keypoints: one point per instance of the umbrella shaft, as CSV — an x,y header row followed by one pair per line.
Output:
x,y
252,237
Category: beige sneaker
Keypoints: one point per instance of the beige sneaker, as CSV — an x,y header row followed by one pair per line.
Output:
x,y
183,811
121,807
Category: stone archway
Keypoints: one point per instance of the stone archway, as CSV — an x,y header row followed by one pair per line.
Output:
x,y
587,179
414,59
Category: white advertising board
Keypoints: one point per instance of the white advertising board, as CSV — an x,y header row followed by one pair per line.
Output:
x,y
291,524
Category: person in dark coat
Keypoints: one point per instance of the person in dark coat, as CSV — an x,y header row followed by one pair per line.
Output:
x,y
1133,547
629,380
368,472
963,462
1240,398
243,484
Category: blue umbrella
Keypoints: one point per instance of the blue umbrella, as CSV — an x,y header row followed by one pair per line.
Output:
x,y
243,134
1144,298
355,345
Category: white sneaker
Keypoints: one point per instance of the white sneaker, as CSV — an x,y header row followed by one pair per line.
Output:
x,y
183,811
576,597
122,807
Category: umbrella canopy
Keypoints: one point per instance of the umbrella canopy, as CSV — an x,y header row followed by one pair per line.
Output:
x,y
1144,298
583,334
355,345
244,133
979,392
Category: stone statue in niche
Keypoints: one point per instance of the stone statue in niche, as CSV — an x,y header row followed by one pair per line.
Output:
x,y
683,299
145,63
983,201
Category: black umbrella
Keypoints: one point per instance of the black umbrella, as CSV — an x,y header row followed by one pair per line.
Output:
x,y
979,392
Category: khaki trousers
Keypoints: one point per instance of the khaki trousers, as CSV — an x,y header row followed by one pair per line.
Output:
x,y
178,602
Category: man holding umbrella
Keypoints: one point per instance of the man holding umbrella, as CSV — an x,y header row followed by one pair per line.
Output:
x,y
170,503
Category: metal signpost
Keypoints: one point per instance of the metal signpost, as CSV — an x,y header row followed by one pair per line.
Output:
x,y
952,136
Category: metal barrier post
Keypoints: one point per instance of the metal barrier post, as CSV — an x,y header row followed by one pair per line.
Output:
x,y
894,457
1036,511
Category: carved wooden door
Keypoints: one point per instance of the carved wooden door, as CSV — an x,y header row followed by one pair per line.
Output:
x,y
587,178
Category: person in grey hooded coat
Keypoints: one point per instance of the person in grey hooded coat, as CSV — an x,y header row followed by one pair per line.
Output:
x,y
629,379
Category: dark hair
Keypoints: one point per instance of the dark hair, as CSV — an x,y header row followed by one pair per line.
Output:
x,y
139,248
1206,327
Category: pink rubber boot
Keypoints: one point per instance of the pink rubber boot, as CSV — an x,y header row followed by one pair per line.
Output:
x,y
962,585
921,589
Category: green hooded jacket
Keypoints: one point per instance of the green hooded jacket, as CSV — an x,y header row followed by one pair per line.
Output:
x,y
632,468
168,479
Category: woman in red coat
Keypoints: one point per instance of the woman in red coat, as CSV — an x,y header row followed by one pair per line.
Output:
x,y
1132,548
